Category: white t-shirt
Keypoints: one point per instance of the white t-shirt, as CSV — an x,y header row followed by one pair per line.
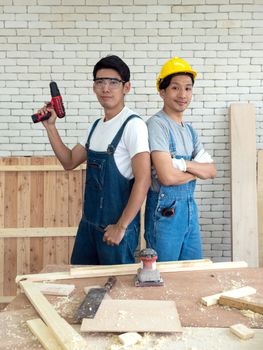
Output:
x,y
134,139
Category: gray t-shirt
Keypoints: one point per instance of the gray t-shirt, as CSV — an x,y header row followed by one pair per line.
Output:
x,y
159,139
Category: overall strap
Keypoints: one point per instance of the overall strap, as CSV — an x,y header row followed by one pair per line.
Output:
x,y
112,146
91,132
192,133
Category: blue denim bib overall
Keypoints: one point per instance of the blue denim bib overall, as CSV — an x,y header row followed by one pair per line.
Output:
x,y
174,237
106,195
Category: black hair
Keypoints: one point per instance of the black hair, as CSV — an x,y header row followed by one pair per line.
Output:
x,y
113,62
165,82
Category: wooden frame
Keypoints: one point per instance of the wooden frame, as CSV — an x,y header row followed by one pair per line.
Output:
x,y
66,336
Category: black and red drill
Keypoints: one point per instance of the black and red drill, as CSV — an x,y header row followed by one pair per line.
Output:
x,y
56,102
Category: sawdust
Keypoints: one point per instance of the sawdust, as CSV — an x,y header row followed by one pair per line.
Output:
x,y
66,306
231,282
254,317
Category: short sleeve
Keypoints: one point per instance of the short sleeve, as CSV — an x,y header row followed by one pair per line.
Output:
x,y
158,134
135,137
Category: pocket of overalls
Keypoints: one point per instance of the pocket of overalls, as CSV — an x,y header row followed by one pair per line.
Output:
x,y
166,209
95,174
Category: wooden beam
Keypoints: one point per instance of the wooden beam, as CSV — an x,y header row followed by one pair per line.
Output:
x,y
66,336
19,232
241,304
43,334
243,183
44,167
129,269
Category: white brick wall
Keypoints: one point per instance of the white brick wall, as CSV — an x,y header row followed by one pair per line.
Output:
x,y
63,39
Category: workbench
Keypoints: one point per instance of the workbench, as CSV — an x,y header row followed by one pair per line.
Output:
x,y
202,324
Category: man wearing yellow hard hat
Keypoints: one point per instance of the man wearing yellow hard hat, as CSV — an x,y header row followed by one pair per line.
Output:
x,y
178,159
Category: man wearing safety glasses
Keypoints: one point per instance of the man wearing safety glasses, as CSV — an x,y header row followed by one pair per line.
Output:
x,y
118,170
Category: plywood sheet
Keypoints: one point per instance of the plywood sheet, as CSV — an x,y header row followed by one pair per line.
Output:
x,y
134,316
243,183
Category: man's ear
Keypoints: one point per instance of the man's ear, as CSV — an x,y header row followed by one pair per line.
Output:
x,y
162,93
126,87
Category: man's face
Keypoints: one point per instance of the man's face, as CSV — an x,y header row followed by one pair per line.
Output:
x,y
111,90
177,96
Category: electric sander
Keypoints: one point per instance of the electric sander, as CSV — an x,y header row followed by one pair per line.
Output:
x,y
148,274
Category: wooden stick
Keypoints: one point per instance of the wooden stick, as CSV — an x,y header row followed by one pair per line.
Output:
x,y
67,337
19,232
43,334
241,304
238,293
129,269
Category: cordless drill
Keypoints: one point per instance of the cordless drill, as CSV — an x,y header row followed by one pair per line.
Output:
x,y
56,102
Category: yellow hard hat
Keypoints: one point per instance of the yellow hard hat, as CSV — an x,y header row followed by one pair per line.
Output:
x,y
173,66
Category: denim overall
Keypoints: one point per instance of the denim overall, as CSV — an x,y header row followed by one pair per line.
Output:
x,y
106,195
171,218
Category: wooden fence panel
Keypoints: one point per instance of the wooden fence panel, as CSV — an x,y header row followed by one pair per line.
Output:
x,y
40,208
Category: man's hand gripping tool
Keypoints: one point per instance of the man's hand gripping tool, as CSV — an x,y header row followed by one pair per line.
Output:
x,y
56,102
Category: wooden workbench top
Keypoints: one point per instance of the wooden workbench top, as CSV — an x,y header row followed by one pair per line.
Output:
x,y
185,288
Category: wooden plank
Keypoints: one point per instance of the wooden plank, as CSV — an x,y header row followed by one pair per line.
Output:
x,y
75,200
67,337
130,269
2,223
62,213
23,217
241,304
235,293
43,334
49,212
10,219
36,217
260,206
134,316
18,232
243,183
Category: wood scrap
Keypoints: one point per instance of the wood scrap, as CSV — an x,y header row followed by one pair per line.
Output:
x,y
43,334
241,304
67,337
242,331
55,288
235,293
129,338
130,269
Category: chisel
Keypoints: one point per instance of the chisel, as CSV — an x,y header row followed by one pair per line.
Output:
x,y
92,301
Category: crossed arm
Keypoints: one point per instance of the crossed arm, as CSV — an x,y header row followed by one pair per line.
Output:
x,y
169,176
